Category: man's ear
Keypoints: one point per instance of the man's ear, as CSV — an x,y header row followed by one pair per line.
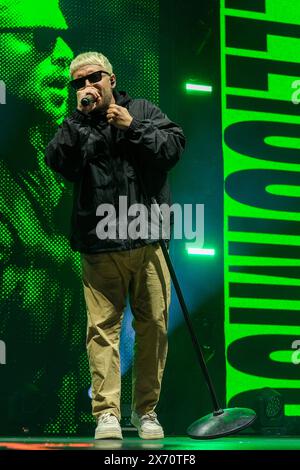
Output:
x,y
113,80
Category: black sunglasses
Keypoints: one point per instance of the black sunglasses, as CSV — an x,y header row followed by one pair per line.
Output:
x,y
94,77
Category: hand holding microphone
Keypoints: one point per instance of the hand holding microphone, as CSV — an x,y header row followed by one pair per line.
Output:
x,y
87,99
117,116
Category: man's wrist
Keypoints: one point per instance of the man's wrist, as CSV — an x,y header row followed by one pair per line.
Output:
x,y
128,124
133,126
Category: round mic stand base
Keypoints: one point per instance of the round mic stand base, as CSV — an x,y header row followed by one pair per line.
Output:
x,y
221,423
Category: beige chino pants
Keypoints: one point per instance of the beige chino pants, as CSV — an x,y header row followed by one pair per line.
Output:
x,y
107,280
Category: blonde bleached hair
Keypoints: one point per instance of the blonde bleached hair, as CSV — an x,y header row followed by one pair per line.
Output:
x,y
90,58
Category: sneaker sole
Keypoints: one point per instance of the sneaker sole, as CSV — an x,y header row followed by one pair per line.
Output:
x,y
150,436
108,435
144,435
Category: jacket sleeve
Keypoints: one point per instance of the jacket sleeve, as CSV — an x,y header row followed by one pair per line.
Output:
x,y
156,138
63,153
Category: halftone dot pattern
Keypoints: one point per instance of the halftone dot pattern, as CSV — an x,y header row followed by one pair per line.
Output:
x,y
66,419
43,317
19,14
127,32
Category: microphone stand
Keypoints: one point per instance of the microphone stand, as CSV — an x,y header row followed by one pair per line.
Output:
x,y
221,422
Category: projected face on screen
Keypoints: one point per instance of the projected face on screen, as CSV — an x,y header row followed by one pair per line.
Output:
x,y
42,318
34,57
35,67
34,64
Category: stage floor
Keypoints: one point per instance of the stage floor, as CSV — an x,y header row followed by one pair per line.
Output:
x,y
175,443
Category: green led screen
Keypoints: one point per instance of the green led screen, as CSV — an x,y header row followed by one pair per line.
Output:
x,y
260,55
45,381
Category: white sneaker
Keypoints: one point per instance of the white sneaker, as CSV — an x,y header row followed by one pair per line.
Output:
x,y
108,427
147,425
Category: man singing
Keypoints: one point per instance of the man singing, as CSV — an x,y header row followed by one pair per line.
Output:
x,y
113,146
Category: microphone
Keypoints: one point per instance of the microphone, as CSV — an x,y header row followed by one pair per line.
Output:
x,y
88,99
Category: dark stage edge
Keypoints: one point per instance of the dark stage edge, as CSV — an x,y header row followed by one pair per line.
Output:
x,y
175,443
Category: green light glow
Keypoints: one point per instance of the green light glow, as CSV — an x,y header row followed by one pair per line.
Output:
x,y
279,48
261,261
273,239
288,142
196,88
276,11
282,356
292,410
201,251
259,279
279,88
284,190
266,303
272,58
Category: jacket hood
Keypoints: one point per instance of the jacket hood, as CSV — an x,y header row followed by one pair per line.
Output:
x,y
121,97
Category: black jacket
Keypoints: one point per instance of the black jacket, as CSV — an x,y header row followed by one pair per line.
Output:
x,y
104,163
